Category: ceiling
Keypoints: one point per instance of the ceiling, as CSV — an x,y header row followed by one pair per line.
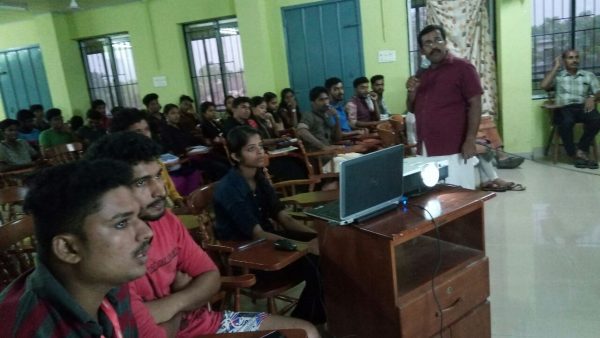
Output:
x,y
15,10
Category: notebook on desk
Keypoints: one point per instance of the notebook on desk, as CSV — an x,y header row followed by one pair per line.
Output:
x,y
369,185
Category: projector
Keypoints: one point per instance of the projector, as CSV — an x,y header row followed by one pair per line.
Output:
x,y
419,172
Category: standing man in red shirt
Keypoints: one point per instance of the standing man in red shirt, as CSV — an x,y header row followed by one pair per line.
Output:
x,y
446,100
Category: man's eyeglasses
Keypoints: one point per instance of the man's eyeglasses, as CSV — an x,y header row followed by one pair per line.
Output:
x,y
438,41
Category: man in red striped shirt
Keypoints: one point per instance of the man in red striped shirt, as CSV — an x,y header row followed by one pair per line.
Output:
x,y
90,242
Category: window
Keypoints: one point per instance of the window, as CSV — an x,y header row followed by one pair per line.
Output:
x,y
562,24
417,16
417,20
215,58
110,72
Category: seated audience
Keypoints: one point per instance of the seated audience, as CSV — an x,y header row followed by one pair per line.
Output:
x,y
265,121
576,92
58,133
75,122
154,117
378,87
229,105
14,152
245,206
273,109
288,109
171,298
241,115
335,89
212,130
39,118
319,128
189,121
27,129
131,119
172,137
90,242
100,107
362,112
93,130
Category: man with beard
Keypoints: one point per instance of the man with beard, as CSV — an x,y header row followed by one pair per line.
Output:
x,y
335,88
89,244
170,299
319,128
361,109
577,92
377,86
446,101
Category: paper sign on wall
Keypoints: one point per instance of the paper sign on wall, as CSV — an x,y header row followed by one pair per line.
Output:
x,y
159,81
386,56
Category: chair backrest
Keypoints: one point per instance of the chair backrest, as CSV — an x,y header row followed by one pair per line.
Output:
x,y
387,135
17,249
64,153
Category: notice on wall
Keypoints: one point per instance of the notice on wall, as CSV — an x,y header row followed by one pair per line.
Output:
x,y
386,56
159,81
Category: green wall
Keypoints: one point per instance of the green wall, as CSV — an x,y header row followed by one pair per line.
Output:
x,y
155,28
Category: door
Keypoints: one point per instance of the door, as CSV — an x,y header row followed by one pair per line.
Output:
x,y
23,80
323,40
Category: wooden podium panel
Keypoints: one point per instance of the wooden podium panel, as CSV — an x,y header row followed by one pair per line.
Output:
x,y
377,275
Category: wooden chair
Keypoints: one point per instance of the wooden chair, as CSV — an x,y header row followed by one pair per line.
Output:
x,y
388,136
9,198
17,249
15,177
200,203
554,140
64,153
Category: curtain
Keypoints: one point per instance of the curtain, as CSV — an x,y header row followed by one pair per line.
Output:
x,y
467,32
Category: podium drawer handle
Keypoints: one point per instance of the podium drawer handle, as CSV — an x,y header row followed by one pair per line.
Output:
x,y
450,307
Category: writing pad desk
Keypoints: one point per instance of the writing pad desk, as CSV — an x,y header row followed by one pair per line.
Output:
x,y
377,275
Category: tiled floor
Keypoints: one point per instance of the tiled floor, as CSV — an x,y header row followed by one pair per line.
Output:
x,y
544,251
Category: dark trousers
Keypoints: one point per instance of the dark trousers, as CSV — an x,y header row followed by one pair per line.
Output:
x,y
565,119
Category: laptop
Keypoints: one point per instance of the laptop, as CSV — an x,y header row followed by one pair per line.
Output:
x,y
369,186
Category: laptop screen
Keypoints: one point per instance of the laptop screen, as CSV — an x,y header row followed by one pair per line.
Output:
x,y
371,182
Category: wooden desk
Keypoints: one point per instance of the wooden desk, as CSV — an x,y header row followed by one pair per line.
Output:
x,y
288,333
377,275
309,199
264,257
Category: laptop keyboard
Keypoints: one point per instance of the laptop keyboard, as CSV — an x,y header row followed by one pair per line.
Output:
x,y
330,210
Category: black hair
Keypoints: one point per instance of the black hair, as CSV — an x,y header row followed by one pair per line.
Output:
x,y
7,123
76,122
360,80
168,107
52,113
564,54
428,29
237,138
126,146
125,118
332,81
149,98
94,115
256,100
61,197
227,98
185,98
97,103
268,96
24,115
205,105
35,107
239,100
315,92
376,78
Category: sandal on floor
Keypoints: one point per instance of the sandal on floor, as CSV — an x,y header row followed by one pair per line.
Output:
x,y
491,186
515,187
592,164
581,163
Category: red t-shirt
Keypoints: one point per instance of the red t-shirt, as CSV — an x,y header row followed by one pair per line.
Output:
x,y
441,105
172,250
